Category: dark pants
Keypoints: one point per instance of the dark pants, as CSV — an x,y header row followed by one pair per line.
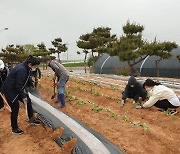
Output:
x,y
143,94
1,102
15,110
165,104
36,81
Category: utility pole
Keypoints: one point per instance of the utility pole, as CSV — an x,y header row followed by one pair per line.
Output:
x,y
4,29
67,51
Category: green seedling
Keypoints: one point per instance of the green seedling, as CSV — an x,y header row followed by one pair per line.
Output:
x,y
109,97
80,102
115,88
79,88
48,89
113,114
91,103
166,112
91,90
174,117
97,94
107,110
125,117
145,126
97,109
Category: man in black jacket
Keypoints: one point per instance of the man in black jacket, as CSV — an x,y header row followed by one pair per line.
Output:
x,y
134,90
13,89
3,74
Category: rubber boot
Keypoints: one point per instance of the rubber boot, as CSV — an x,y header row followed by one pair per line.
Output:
x,y
61,99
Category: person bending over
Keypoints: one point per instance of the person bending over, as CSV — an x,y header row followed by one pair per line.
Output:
x,y
61,77
134,90
161,97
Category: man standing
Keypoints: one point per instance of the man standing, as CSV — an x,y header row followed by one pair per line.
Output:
x,y
3,74
13,89
61,77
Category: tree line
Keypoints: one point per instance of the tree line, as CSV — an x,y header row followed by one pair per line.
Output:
x,y
130,47
17,53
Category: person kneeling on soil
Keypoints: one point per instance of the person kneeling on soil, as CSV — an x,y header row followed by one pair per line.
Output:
x,y
134,90
161,97
13,89
61,77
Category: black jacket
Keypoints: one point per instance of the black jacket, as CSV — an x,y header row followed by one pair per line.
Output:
x,y
13,86
133,92
3,75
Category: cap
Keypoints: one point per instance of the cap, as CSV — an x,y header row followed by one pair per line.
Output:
x,y
1,65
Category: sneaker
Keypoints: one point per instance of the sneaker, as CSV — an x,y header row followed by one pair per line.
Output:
x,y
122,103
61,106
35,122
56,101
172,112
17,131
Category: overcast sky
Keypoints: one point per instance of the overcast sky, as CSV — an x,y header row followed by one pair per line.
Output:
x,y
36,21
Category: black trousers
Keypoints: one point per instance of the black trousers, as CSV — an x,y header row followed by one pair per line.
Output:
x,y
164,104
1,102
15,110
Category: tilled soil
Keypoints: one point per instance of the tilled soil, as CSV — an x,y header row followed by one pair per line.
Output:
x,y
132,130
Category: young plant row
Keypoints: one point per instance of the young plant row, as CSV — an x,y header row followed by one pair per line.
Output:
x,y
98,84
95,93
96,108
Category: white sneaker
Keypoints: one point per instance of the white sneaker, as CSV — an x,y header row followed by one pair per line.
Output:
x,y
122,103
172,112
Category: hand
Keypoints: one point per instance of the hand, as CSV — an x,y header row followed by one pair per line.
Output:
x,y
25,101
54,78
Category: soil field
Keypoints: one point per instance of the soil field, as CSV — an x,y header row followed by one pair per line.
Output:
x,y
133,130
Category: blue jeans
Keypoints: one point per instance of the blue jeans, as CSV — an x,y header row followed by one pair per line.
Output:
x,y
62,84
61,89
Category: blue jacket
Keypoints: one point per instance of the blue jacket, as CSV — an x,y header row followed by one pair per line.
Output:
x,y
13,86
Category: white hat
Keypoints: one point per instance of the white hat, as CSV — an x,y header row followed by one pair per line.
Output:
x,y
1,65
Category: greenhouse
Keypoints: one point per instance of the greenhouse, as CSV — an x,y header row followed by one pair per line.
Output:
x,y
167,68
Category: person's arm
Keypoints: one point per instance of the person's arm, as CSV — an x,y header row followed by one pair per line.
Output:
x,y
39,72
152,100
20,83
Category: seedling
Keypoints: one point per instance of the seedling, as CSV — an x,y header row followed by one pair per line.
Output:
x,y
125,117
97,109
97,94
80,102
79,88
91,90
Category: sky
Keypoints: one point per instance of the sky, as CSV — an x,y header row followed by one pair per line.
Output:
x,y
37,21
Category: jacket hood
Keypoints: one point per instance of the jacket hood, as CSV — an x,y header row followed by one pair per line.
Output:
x,y
132,81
